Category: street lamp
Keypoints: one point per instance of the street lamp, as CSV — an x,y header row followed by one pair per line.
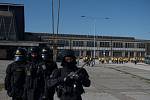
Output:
x,y
94,27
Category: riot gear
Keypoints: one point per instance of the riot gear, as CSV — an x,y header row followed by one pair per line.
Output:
x,y
68,59
68,53
34,81
20,54
48,65
70,79
47,54
34,53
34,50
15,75
34,76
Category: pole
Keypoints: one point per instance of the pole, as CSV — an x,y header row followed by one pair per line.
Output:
x,y
53,16
94,53
58,16
53,27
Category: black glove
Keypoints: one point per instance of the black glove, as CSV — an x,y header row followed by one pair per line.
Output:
x,y
73,75
60,79
67,79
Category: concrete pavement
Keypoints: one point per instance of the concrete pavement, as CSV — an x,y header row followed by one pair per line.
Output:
x,y
140,69
110,82
121,81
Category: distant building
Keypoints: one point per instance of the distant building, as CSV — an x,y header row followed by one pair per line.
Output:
x,y
12,35
11,21
105,46
83,45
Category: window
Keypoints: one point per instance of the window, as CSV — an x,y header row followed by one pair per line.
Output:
x,y
63,42
140,45
103,53
129,45
117,45
104,44
91,43
78,43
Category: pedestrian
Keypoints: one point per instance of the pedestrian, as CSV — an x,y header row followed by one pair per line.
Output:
x,y
48,66
88,61
15,75
135,61
69,80
34,76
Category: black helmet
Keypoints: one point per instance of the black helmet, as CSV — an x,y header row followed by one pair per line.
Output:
x,y
47,54
34,53
34,50
20,54
68,53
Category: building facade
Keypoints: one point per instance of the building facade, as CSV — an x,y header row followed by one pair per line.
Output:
x,y
103,46
11,21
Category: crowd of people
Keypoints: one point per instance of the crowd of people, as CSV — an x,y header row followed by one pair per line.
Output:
x,y
35,76
115,60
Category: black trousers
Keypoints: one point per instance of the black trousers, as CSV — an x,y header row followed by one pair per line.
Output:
x,y
70,97
17,98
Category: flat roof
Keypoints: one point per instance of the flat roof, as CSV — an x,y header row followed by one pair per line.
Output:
x,y
11,4
20,43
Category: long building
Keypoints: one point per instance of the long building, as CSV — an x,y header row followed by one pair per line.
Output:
x,y
84,45
13,35
108,46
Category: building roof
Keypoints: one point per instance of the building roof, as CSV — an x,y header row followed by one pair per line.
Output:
x,y
11,4
82,36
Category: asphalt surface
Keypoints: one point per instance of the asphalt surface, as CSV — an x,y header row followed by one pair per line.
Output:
x,y
108,82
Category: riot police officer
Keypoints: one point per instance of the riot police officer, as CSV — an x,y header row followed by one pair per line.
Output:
x,y
48,66
34,76
34,55
15,75
69,79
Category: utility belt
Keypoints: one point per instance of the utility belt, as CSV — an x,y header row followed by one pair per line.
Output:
x,y
69,90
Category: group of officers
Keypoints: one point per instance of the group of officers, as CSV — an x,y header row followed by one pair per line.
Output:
x,y
33,75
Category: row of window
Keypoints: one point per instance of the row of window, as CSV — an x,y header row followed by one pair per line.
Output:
x,y
106,53
100,44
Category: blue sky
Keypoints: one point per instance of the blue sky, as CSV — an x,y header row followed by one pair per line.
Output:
x,y
128,17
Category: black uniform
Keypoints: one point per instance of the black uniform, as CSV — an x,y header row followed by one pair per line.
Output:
x,y
48,66
69,80
15,76
34,77
34,82
15,79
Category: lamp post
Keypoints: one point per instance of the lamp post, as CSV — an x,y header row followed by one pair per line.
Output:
x,y
94,52
94,27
